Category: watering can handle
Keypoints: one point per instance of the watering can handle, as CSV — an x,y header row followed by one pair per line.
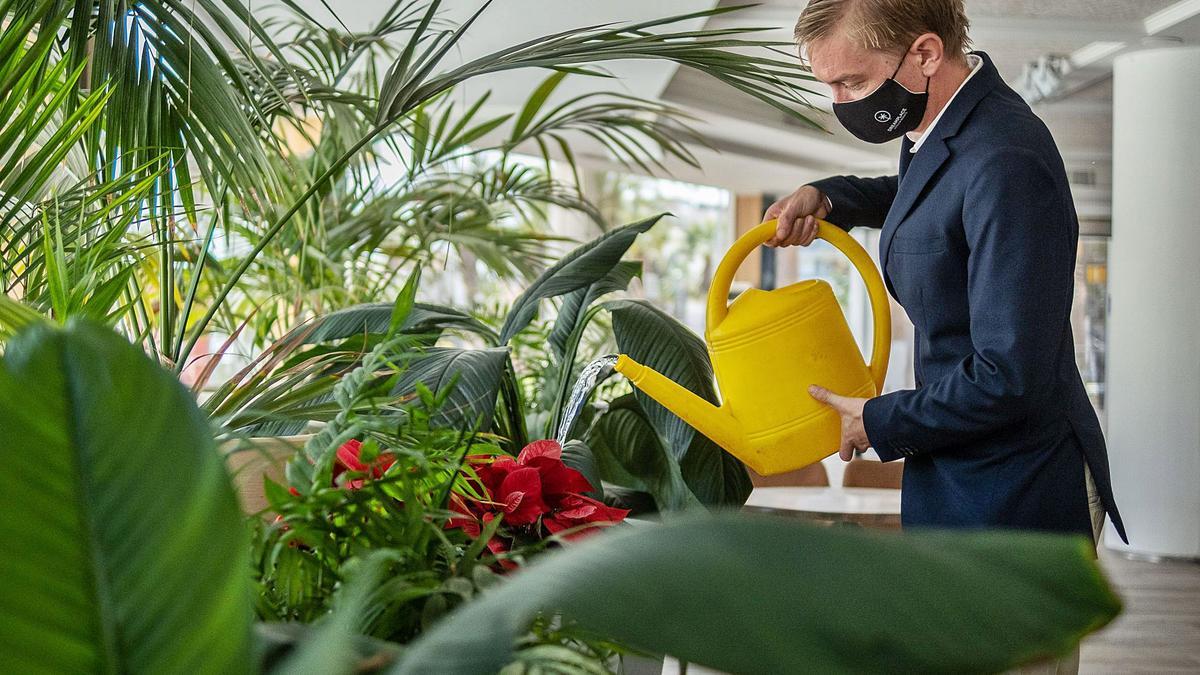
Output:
x,y
718,294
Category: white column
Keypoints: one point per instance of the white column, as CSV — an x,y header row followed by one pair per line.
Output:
x,y
1154,290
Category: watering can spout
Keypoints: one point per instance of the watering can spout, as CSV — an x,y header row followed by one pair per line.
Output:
x,y
715,422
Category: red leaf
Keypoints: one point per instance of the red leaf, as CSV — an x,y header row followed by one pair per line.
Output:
x,y
544,448
556,525
463,518
529,505
493,472
577,512
498,546
599,511
512,500
558,478
347,455
349,458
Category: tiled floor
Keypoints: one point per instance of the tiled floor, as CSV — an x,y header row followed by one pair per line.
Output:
x,y
1159,631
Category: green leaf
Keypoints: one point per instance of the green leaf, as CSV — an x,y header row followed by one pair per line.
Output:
x,y
375,318
577,455
405,301
629,453
276,642
472,376
716,477
771,595
478,131
15,317
56,269
652,337
576,303
535,103
332,648
585,265
573,316
122,544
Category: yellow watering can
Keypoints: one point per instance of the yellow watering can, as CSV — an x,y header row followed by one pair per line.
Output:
x,y
766,348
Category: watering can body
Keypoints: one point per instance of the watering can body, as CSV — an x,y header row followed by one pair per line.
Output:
x,y
766,348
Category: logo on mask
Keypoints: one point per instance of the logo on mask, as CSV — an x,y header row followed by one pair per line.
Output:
x,y
883,117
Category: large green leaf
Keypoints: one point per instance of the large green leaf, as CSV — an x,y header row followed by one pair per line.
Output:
x,y
574,314
577,455
374,318
576,303
628,452
581,267
656,339
121,542
310,376
771,595
472,376
715,476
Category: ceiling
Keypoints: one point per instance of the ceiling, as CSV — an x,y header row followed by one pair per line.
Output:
x,y
1013,33
756,147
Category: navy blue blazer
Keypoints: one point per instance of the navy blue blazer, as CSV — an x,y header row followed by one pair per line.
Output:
x,y
978,245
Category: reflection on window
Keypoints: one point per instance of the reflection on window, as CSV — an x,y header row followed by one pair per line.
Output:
x,y
680,254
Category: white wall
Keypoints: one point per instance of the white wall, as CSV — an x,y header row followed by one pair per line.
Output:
x,y
1154,290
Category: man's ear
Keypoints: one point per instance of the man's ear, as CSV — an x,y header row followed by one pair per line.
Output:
x,y
930,53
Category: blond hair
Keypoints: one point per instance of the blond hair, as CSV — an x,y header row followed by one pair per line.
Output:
x,y
886,25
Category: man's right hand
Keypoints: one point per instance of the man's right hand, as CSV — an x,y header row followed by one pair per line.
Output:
x,y
797,214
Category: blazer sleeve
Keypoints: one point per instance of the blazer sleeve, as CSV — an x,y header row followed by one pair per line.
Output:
x,y
1019,287
858,202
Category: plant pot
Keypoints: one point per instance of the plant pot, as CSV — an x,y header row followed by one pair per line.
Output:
x,y
251,459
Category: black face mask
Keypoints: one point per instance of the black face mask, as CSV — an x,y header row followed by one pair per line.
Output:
x,y
886,113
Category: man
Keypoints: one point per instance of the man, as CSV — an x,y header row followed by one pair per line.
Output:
x,y
978,245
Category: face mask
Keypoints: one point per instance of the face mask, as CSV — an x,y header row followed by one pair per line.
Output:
x,y
886,113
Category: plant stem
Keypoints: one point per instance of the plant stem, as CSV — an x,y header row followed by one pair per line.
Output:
x,y
195,285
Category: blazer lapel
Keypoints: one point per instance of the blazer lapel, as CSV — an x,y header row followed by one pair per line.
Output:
x,y
917,169
924,164
906,156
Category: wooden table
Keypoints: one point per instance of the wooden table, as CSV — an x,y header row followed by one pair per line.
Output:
x,y
868,507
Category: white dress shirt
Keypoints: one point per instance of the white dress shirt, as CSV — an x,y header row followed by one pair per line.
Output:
x,y
918,137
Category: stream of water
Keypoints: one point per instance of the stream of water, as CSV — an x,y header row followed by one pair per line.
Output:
x,y
592,375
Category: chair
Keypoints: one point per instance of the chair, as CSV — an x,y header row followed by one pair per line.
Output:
x,y
872,474
813,475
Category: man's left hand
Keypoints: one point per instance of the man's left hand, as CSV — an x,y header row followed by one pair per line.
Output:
x,y
854,434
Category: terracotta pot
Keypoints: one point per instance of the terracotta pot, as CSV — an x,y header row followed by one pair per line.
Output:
x,y
250,459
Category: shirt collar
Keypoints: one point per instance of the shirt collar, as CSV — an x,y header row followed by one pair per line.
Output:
x,y
918,137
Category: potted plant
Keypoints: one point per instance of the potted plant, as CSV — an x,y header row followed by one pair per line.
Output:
x,y
738,593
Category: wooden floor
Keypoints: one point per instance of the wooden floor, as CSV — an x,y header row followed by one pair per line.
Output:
x,y
1159,631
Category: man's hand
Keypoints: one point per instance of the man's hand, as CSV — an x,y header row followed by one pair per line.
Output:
x,y
854,435
797,214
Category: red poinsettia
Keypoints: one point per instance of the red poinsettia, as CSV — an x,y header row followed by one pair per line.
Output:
x,y
534,491
577,510
348,459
